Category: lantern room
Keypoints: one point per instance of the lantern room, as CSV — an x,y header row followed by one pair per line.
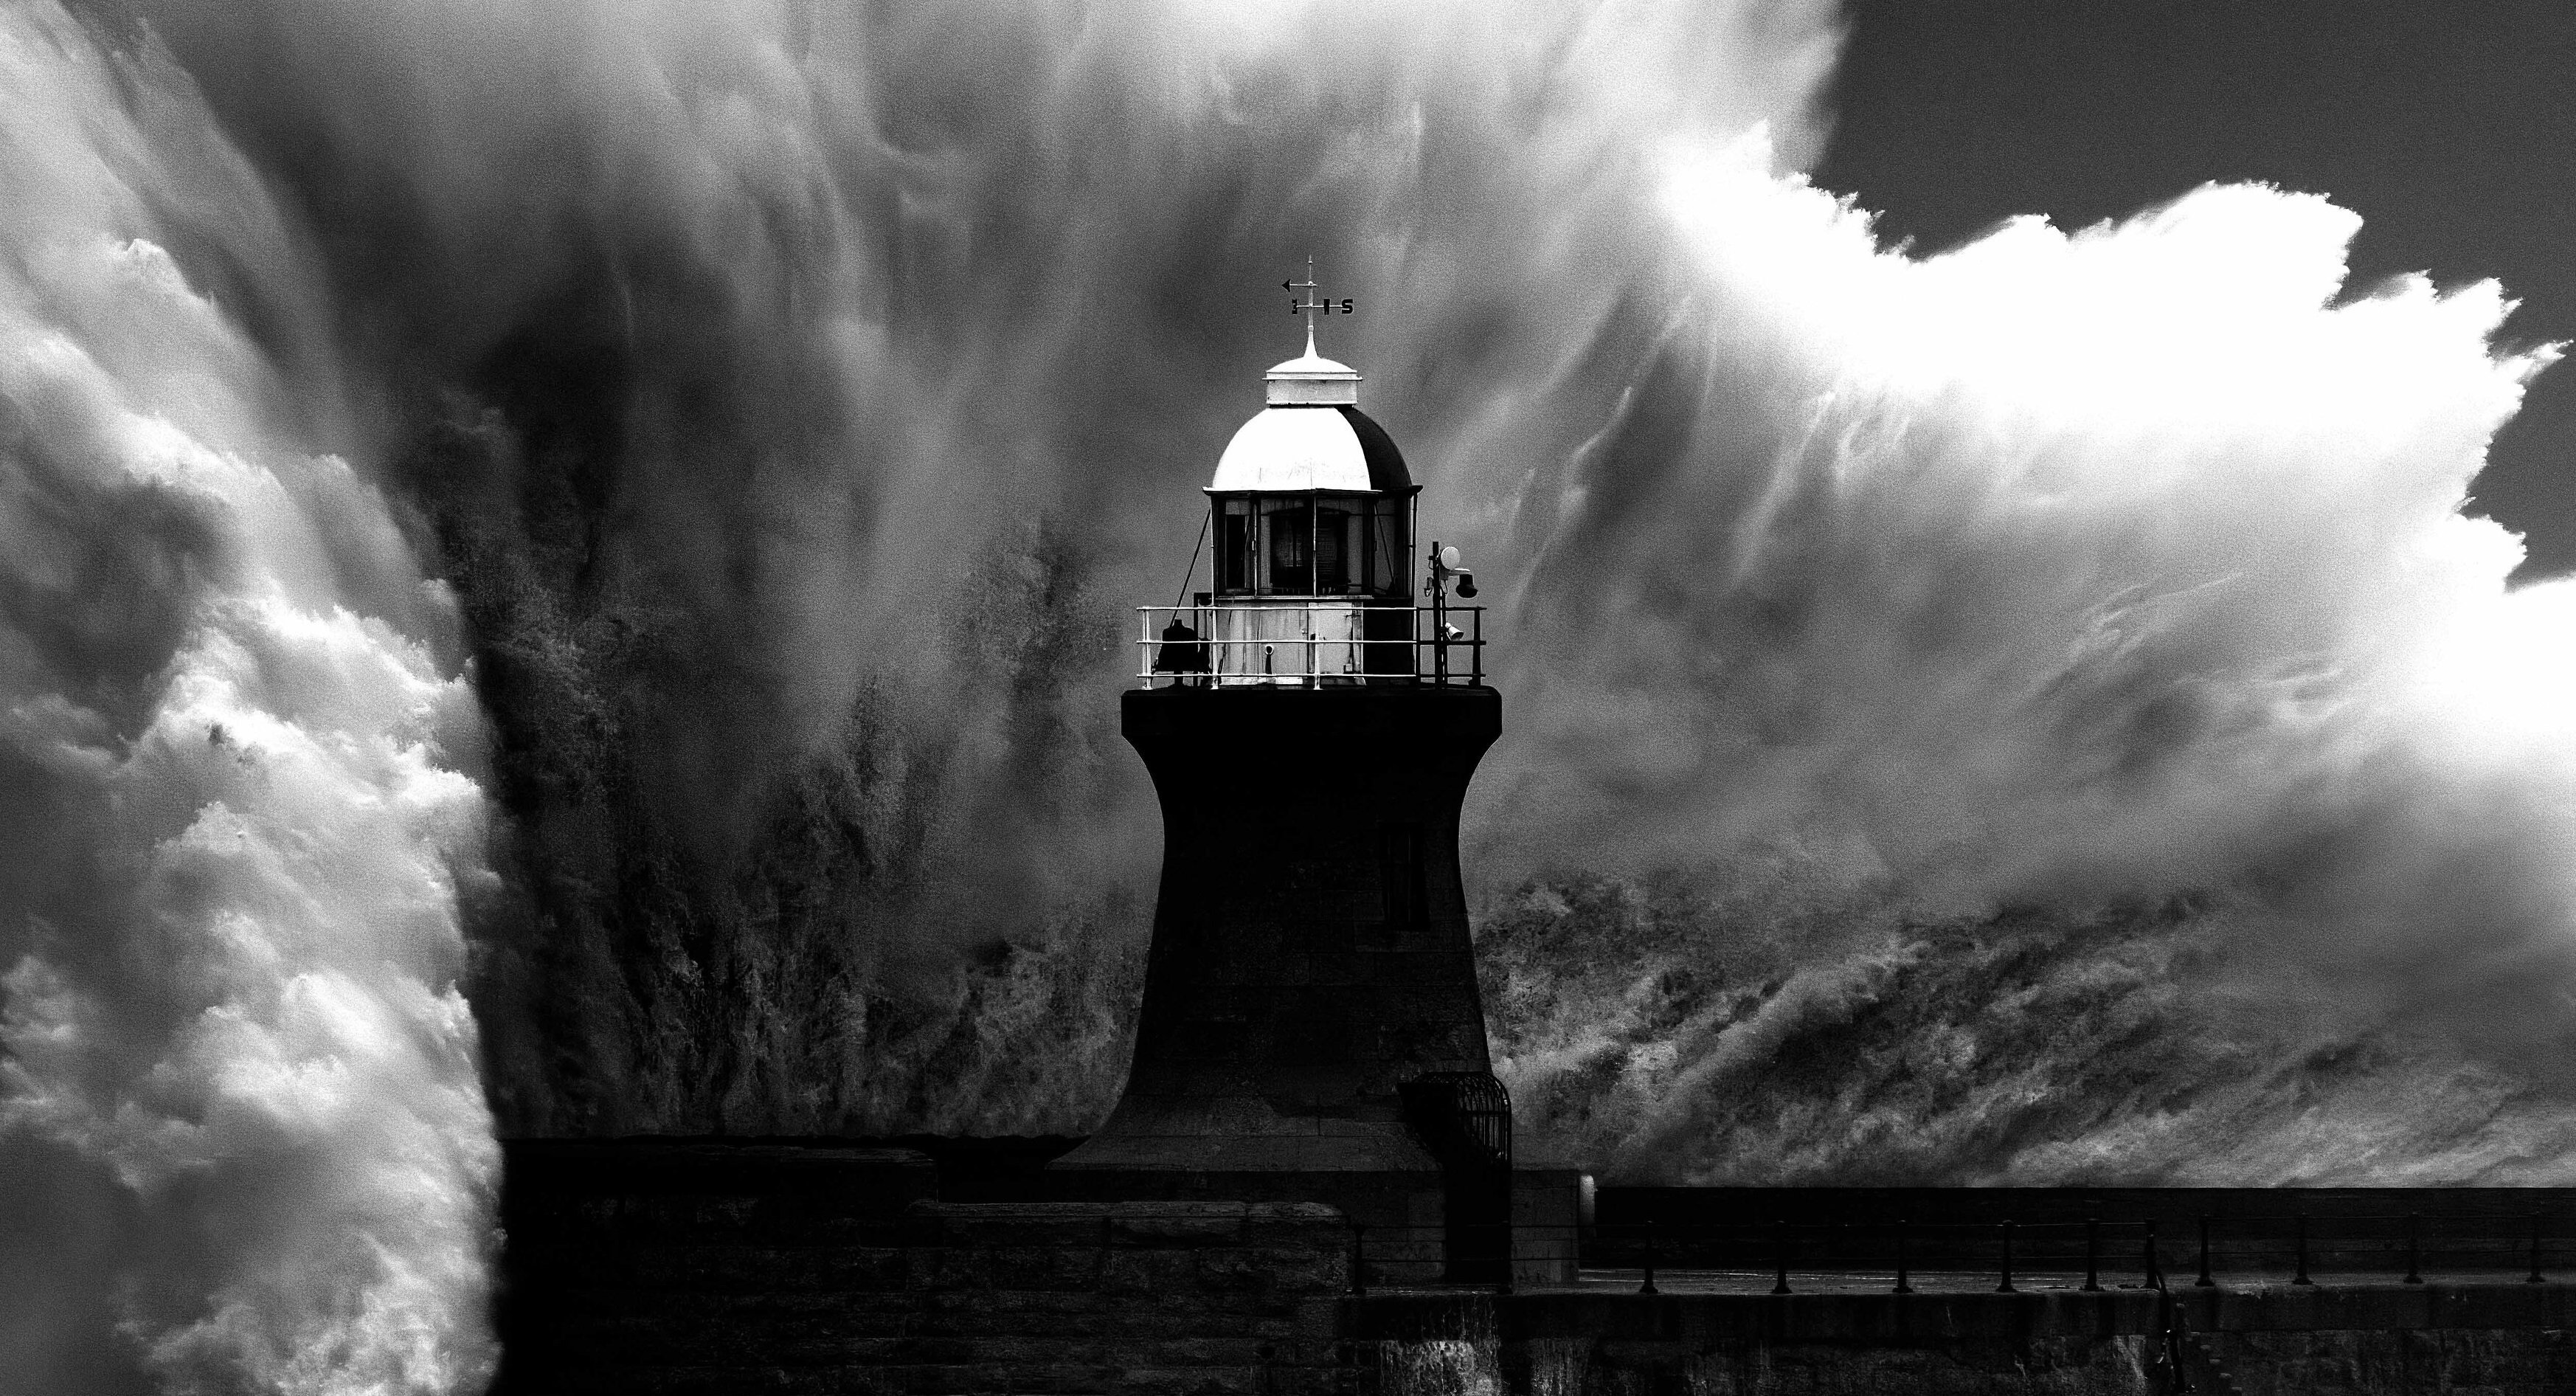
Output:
x,y
1311,500
1312,516
1312,512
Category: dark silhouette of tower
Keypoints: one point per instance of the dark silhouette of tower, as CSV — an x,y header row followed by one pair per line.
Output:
x,y
1311,1025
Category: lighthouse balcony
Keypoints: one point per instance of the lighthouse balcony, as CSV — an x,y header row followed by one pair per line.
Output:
x,y
1322,642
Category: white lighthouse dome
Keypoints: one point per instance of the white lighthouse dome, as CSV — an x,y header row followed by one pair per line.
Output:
x,y
1312,436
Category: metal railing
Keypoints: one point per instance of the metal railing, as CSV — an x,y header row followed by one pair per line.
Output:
x,y
1469,1110
2377,1243
2004,1257
1309,644
2001,1257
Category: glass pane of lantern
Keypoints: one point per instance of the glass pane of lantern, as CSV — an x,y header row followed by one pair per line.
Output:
x,y
1234,546
1387,548
1355,546
1289,533
1331,560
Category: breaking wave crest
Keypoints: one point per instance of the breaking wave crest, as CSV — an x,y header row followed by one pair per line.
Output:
x,y
2030,712
236,797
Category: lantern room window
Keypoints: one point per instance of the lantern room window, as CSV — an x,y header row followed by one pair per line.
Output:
x,y
1287,531
1234,546
1317,544
1387,540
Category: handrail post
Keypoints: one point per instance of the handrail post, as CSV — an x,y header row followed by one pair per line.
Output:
x,y
1780,1239
2414,1248
1903,1284
2155,1270
1479,657
2204,1282
2006,1287
1359,1259
1648,1287
2301,1278
2092,1255
1439,619
2535,1277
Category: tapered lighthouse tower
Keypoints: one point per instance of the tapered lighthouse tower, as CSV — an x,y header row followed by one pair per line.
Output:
x,y
1311,1025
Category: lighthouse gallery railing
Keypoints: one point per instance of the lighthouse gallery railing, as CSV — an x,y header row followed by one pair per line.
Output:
x,y
1309,644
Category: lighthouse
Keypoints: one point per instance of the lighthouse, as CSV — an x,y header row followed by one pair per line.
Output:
x,y
1311,1027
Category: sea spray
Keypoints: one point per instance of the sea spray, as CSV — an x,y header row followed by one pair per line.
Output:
x,y
238,802
1704,1031
2045,692
795,398
2063,662
845,375
1457,1350
1440,1367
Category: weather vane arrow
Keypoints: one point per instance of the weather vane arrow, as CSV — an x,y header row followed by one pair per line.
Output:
x,y
1309,303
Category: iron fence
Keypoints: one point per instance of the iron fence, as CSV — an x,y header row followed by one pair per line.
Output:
x,y
2093,1255
1309,644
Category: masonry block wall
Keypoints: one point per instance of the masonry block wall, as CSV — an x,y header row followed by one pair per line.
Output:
x,y
663,1270
2490,1339
1603,1342
650,1267
1171,1298
2355,1362
665,1267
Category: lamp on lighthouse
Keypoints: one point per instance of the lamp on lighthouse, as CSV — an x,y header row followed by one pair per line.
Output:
x,y
1312,514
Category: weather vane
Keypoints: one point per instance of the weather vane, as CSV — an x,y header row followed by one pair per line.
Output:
x,y
1310,303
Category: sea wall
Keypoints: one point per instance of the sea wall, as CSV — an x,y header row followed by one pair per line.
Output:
x,y
662,1267
2378,1339
2249,1233
663,1271
2474,1339
1601,1343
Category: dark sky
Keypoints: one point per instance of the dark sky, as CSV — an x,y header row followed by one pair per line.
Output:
x,y
2449,125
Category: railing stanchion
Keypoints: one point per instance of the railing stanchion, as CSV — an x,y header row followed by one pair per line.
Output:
x,y
1648,1287
2301,1278
1780,1246
2006,1286
2414,1248
1359,1259
1903,1281
2092,1255
2155,1269
2535,1277
2204,1282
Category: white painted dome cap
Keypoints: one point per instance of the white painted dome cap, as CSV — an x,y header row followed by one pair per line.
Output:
x,y
1311,380
1293,448
1304,447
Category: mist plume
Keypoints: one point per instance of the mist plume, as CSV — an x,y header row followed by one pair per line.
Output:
x,y
239,1097
2114,580
794,401
2033,711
